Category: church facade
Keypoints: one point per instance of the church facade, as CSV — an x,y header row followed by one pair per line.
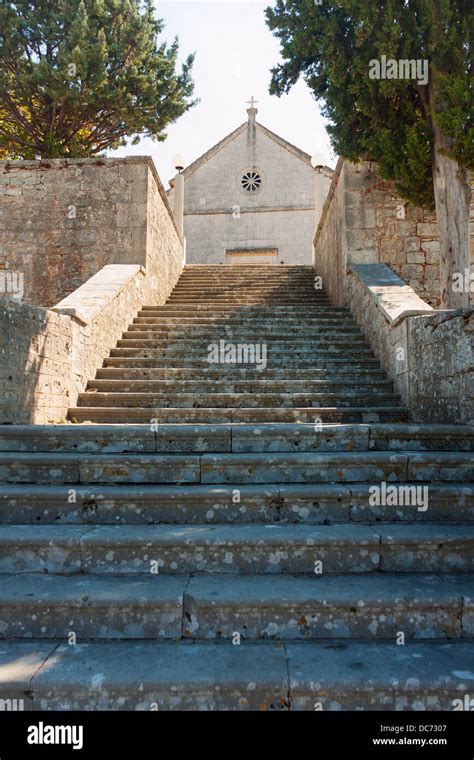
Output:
x,y
252,199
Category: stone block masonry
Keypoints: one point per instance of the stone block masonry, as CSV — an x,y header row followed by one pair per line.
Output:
x,y
62,220
364,221
46,357
220,215
119,250
380,257
427,353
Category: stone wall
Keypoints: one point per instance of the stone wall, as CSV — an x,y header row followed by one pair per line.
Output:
x,y
365,222
427,353
120,250
330,243
47,356
35,352
62,220
442,375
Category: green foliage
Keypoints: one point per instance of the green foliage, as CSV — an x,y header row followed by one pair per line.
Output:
x,y
80,76
391,121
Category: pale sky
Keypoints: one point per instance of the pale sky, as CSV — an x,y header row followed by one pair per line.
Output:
x,y
234,54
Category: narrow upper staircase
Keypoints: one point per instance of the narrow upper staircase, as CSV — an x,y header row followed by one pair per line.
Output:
x,y
318,363
271,533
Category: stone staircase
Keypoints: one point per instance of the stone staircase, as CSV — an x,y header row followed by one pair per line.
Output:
x,y
221,545
316,356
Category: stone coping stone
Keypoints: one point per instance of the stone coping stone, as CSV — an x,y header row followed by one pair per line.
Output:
x,y
89,300
393,297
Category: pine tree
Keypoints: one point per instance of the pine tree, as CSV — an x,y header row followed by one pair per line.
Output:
x,y
80,76
421,133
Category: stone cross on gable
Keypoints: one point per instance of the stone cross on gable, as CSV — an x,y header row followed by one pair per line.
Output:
x,y
252,102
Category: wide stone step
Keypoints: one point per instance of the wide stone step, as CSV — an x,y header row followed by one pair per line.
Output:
x,y
293,335
280,467
305,503
248,301
250,315
243,549
147,675
376,606
259,400
275,310
244,301
241,373
290,345
239,332
234,386
134,415
282,291
143,357
233,317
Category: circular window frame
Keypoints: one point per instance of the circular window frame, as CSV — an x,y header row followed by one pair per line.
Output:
x,y
241,175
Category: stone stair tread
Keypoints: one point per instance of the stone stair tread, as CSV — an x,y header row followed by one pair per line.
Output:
x,y
24,590
370,589
242,534
224,415
237,591
209,503
131,675
414,461
353,548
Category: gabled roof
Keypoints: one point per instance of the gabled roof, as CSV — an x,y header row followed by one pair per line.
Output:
x,y
233,135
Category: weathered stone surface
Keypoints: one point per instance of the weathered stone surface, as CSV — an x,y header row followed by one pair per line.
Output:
x,y
301,468
102,275
19,663
421,548
464,585
348,606
446,502
209,522
303,437
365,222
429,356
230,549
140,675
37,549
51,606
83,214
379,676
421,437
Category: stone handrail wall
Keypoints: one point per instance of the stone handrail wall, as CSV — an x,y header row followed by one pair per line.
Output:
x,y
47,356
371,262
426,353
